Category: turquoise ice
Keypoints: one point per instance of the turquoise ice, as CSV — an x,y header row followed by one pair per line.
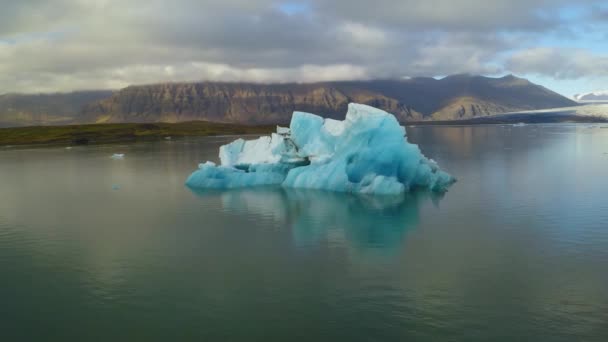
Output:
x,y
366,153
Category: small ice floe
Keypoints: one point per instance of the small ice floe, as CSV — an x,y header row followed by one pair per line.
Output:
x,y
115,186
117,156
519,124
167,138
68,148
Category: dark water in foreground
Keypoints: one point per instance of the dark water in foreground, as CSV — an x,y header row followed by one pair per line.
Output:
x,y
516,251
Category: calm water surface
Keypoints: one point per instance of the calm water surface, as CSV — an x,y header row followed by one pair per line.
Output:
x,y
95,249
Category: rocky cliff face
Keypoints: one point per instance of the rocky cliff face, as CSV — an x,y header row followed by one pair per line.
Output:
x,y
238,103
418,99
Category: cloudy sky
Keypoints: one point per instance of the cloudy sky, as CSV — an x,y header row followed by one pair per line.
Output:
x,y
63,45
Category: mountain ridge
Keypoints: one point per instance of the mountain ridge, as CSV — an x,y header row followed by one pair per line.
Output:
x,y
453,97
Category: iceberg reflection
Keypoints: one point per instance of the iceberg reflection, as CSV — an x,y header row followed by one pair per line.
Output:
x,y
321,217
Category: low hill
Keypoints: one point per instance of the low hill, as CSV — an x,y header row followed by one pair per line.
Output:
x,y
45,109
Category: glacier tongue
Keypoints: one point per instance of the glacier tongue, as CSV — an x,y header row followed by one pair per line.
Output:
x,y
366,153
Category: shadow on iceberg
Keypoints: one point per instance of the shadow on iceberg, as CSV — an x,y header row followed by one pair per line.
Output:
x,y
316,217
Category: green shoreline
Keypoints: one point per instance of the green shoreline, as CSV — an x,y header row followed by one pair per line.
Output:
x,y
116,133
130,132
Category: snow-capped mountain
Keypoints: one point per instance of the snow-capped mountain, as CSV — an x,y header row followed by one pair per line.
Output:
x,y
601,95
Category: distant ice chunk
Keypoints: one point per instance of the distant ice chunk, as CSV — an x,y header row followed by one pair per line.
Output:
x,y
366,153
118,156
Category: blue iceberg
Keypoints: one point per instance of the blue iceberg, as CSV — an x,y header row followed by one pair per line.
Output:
x,y
366,153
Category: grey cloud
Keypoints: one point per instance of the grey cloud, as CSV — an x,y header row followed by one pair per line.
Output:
x,y
31,15
74,44
559,63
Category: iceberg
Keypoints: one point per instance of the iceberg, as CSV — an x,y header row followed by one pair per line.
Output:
x,y
366,153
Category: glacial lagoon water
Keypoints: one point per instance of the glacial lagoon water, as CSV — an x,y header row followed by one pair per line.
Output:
x,y
100,249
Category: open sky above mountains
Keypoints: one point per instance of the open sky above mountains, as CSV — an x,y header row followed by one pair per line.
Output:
x,y
64,45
